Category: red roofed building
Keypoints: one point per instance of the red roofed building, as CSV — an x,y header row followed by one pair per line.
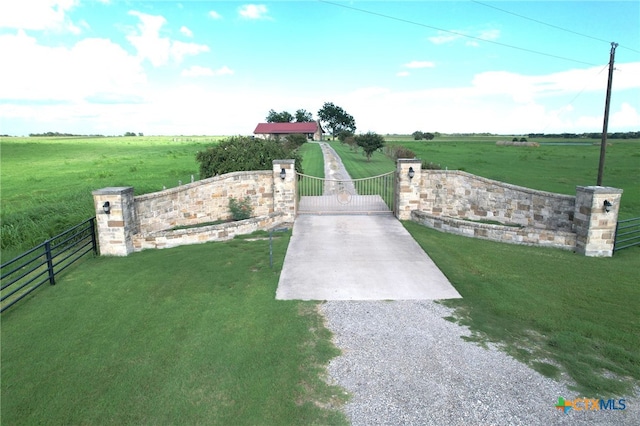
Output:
x,y
312,130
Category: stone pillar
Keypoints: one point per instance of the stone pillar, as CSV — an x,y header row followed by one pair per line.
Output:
x,y
407,189
115,229
595,227
285,194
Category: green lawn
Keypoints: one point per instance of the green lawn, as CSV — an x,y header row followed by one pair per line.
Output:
x,y
358,166
312,159
557,311
190,335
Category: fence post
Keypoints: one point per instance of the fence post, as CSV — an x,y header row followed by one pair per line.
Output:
x,y
594,222
285,188
116,219
94,241
408,188
47,251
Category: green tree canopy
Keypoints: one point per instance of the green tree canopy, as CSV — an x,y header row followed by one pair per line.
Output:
x,y
279,117
336,119
303,116
370,142
241,153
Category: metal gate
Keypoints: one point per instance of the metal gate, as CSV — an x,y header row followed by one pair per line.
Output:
x,y
374,195
627,234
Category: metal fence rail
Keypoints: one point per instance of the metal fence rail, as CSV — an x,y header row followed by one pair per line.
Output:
x,y
627,234
369,195
25,273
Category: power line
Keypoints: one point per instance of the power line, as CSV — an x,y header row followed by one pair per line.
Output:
x,y
550,25
457,33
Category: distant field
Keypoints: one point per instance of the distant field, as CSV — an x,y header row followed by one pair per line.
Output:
x,y
47,182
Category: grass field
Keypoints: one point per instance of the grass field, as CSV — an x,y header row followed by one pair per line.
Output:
x,y
47,182
190,335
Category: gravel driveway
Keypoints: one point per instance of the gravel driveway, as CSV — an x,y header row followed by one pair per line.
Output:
x,y
403,364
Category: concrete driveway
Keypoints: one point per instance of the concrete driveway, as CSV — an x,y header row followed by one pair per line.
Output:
x,y
357,257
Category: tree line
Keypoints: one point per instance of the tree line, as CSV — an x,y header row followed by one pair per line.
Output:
x,y
616,135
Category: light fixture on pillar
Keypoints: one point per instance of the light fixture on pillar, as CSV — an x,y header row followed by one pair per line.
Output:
x,y
283,173
607,206
106,207
412,173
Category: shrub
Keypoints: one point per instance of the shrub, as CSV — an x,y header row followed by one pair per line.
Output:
x,y
240,210
241,153
344,135
430,166
398,151
523,139
293,142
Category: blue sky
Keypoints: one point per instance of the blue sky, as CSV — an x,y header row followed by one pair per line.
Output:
x,y
217,68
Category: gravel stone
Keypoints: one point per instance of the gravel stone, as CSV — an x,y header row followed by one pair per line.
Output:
x,y
404,364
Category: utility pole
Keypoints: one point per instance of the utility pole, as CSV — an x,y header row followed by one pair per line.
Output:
x,y
603,145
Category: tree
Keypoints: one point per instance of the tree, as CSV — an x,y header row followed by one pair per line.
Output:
x,y
279,117
336,119
428,136
370,142
343,135
303,116
417,135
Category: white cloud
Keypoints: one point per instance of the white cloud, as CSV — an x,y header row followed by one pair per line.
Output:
x,y
627,116
39,15
186,31
444,37
493,34
198,71
180,49
224,71
253,11
92,68
215,15
499,102
419,64
151,46
403,74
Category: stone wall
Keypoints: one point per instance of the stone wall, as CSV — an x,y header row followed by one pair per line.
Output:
x,y
525,235
458,194
204,234
204,201
461,203
148,221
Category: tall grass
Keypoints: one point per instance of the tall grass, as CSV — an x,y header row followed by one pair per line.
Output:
x,y
47,182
